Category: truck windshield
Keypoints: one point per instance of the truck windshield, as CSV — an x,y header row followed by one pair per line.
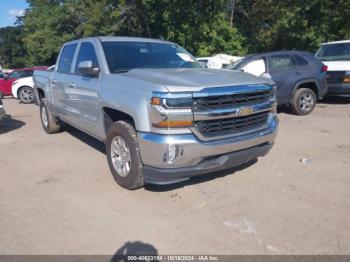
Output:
x,y
334,52
124,56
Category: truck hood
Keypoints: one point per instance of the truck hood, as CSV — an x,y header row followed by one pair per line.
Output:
x,y
337,65
179,80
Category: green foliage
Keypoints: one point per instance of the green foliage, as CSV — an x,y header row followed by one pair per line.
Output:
x,y
292,24
204,27
12,53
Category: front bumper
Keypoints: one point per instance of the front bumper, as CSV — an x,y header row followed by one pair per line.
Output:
x,y
339,89
195,157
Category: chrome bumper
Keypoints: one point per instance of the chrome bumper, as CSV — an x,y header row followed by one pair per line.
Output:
x,y
190,151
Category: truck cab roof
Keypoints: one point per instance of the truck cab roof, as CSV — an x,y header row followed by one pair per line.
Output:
x,y
120,39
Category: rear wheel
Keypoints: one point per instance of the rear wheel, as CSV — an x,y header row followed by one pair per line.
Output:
x,y
26,95
304,101
50,124
123,155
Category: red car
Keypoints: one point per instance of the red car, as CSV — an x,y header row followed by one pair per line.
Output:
x,y
6,82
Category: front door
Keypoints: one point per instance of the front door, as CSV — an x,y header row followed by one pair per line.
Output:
x,y
83,90
6,87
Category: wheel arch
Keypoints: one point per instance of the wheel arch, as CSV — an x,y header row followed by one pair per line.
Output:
x,y
111,115
307,83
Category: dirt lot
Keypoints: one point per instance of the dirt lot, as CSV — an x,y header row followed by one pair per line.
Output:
x,y
57,195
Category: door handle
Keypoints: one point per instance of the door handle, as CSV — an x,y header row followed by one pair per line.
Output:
x,y
54,81
298,73
71,84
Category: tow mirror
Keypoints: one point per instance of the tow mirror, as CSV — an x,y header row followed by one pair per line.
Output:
x,y
86,68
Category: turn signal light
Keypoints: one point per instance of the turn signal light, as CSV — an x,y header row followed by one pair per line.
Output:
x,y
155,101
169,124
347,80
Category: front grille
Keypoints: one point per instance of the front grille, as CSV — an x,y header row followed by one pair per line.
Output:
x,y
229,101
231,126
335,77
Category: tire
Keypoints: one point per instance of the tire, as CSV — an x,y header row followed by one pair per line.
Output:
x,y
26,95
123,155
304,101
50,123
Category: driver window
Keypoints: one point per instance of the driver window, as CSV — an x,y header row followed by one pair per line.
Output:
x,y
256,67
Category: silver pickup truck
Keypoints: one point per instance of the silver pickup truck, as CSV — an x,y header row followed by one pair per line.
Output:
x,y
163,117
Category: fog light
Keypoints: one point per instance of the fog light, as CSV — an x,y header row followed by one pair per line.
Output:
x,y
173,153
347,80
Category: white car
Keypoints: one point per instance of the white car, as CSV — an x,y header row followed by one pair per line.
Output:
x,y
220,61
23,90
336,55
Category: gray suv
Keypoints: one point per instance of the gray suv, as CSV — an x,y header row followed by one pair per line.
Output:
x,y
299,76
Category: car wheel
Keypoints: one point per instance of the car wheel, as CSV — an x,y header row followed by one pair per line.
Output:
x,y
26,95
50,123
304,101
123,155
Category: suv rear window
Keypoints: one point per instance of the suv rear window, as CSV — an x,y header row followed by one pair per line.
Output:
x,y
66,59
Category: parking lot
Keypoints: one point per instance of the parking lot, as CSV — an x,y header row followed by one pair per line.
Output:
x,y
57,195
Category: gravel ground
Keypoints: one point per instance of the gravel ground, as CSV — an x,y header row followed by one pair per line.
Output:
x,y
57,195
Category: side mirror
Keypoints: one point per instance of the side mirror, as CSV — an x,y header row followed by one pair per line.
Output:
x,y
86,68
6,76
266,75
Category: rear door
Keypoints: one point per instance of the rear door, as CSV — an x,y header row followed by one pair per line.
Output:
x,y
60,83
281,69
83,90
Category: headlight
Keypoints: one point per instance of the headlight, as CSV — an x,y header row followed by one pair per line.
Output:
x,y
171,110
274,92
172,102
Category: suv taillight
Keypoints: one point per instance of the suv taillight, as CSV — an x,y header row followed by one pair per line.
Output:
x,y
324,68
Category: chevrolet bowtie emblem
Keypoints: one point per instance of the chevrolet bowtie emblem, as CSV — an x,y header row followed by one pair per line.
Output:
x,y
244,111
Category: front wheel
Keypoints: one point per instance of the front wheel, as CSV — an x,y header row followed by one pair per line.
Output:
x,y
304,101
123,155
26,95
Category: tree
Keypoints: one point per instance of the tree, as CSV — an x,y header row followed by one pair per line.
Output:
x,y
12,52
292,24
200,26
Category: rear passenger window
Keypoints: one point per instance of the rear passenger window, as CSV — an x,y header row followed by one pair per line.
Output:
x,y
86,53
280,63
66,59
300,61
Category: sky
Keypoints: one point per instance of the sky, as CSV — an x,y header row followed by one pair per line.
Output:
x,y
9,9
